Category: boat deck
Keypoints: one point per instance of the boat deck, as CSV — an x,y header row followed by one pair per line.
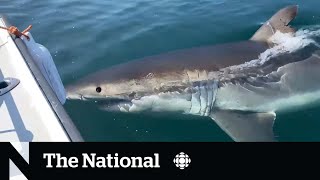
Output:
x,y
26,114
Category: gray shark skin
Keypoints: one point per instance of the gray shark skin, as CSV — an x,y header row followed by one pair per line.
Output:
x,y
212,81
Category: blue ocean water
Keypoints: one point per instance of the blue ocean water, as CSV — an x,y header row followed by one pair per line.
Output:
x,y
86,36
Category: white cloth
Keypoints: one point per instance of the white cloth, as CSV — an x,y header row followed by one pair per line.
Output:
x,y
45,63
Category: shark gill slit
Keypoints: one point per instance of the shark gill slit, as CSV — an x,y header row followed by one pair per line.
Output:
x,y
210,98
203,97
195,93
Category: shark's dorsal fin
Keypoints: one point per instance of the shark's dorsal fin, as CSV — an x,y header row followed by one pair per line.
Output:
x,y
245,126
278,22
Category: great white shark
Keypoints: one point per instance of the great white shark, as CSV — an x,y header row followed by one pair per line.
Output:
x,y
215,81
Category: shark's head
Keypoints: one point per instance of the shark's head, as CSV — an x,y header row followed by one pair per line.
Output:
x,y
89,89
129,89
108,91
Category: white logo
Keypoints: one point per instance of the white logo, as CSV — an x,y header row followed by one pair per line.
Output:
x,y
182,160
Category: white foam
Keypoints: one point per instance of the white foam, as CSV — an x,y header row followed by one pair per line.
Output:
x,y
285,43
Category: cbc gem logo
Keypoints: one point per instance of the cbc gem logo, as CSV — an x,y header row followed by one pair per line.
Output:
x,y
182,160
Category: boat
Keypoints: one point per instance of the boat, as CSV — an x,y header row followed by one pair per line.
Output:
x,y
31,92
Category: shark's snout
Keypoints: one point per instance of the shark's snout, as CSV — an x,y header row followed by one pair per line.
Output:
x,y
71,94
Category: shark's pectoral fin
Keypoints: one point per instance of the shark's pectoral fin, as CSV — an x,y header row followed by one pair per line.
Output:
x,y
278,22
246,126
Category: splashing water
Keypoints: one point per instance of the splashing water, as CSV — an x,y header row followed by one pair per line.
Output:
x,y
285,43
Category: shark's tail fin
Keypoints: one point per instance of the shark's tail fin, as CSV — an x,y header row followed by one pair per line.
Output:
x,y
278,22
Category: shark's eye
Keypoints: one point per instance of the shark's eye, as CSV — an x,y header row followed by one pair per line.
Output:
x,y
98,89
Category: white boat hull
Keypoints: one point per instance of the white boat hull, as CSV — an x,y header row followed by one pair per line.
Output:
x,y
31,111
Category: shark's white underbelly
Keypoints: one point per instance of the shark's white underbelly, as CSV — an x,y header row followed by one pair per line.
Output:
x,y
235,99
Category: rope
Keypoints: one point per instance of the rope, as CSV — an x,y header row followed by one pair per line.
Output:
x,y
15,31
